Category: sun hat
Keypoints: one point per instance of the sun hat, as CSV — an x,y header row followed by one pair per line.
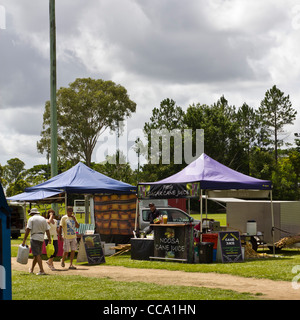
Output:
x,y
34,211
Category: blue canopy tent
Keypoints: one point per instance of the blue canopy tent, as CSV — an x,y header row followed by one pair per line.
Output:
x,y
80,179
39,195
5,253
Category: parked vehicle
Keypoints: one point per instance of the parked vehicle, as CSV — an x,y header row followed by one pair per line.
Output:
x,y
18,219
175,215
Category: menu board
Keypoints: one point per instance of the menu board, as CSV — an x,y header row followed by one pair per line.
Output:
x,y
230,246
93,248
173,241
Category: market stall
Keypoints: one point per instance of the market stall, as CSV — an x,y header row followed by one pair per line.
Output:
x,y
207,176
80,179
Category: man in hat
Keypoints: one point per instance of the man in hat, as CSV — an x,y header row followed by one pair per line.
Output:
x,y
37,226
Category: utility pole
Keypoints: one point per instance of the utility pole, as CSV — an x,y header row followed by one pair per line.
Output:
x,y
53,109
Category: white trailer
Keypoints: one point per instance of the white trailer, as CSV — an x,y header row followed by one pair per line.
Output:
x,y
286,217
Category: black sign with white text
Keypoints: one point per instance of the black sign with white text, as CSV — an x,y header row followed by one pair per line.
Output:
x,y
230,246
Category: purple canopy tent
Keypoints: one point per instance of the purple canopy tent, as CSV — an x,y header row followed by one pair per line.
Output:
x,y
210,174
207,174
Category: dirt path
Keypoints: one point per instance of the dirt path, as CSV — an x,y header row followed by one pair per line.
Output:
x,y
273,290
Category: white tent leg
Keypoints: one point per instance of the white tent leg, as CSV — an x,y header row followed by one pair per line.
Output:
x,y
136,214
66,202
92,209
273,224
206,204
201,213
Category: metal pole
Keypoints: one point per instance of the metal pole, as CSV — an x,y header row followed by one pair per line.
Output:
x,y
87,209
53,109
201,213
273,222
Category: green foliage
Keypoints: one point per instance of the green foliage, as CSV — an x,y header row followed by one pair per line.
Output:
x,y
84,111
164,120
116,169
275,112
221,132
243,138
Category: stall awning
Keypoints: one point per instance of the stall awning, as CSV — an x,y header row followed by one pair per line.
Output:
x,y
204,173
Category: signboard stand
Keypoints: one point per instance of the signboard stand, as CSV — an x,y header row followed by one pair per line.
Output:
x,y
173,242
90,249
229,247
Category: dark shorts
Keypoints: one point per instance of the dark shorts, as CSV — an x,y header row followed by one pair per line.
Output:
x,y
36,247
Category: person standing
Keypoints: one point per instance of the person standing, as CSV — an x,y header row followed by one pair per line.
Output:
x,y
67,228
37,226
153,214
53,234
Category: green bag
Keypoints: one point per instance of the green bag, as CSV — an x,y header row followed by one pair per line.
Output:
x,y
50,249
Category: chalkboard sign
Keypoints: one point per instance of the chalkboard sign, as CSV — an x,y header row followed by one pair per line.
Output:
x,y
173,242
93,248
229,246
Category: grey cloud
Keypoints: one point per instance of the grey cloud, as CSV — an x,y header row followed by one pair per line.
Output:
x,y
24,73
176,43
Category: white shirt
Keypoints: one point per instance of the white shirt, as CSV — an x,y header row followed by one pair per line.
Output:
x,y
38,226
52,230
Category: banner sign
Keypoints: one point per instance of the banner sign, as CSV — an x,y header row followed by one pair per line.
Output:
x,y
93,249
229,246
164,191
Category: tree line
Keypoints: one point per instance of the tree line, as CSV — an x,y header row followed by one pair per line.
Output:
x,y
251,141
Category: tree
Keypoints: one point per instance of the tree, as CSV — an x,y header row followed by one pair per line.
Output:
x,y
275,112
248,121
13,170
16,187
84,111
167,120
120,171
2,179
221,132
14,173
38,174
285,180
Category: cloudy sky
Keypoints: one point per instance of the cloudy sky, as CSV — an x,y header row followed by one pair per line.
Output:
x,y
190,51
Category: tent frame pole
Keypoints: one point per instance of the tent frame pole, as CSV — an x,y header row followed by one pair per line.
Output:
x,y
66,202
201,212
136,213
206,203
273,224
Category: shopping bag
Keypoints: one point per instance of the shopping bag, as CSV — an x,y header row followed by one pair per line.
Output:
x,y
23,254
50,249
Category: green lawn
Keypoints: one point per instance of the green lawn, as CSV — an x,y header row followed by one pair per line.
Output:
x,y
26,286
216,216
30,287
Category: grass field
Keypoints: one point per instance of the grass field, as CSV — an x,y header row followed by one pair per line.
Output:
x,y
27,286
